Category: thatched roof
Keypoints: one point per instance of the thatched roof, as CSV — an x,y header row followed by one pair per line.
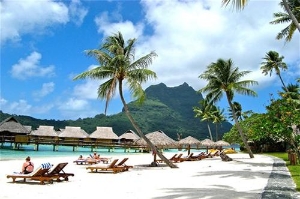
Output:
x,y
159,139
104,133
73,132
189,141
11,125
129,135
207,142
221,143
44,131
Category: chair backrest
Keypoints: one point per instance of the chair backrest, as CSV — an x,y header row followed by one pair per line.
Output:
x,y
58,168
122,162
113,163
41,170
174,156
179,156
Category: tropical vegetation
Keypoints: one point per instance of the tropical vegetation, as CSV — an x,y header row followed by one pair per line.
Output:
x,y
225,79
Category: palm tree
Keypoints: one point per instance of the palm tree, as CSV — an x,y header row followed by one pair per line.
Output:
x,y
223,77
117,64
238,111
204,112
218,118
284,17
240,4
273,62
291,92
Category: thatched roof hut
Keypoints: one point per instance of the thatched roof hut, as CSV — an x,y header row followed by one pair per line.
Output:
x,y
44,131
73,132
159,139
129,136
12,126
104,133
189,141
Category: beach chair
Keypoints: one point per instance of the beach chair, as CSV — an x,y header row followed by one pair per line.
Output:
x,y
186,158
106,167
57,172
38,174
122,164
177,158
171,159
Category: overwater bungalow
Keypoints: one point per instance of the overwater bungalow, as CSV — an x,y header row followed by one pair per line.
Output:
x,y
128,137
104,136
13,131
43,135
74,136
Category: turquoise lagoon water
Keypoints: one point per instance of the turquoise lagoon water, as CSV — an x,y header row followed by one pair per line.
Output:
x,y
8,153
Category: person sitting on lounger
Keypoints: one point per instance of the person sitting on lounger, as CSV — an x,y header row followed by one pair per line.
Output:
x,y
27,166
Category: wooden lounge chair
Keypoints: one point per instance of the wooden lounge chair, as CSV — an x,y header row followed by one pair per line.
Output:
x,y
38,174
186,158
106,167
177,158
171,159
58,172
122,164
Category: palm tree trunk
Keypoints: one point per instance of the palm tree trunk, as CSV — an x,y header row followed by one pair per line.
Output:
x,y
239,127
282,81
216,132
294,19
141,134
209,131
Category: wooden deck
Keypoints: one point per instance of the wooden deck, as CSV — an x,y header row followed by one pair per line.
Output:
x,y
19,140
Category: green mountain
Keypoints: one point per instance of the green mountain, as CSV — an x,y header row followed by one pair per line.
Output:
x,y
169,109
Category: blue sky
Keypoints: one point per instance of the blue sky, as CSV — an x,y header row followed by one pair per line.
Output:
x,y
43,44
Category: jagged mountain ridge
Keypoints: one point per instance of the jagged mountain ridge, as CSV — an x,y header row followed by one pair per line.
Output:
x,y
169,109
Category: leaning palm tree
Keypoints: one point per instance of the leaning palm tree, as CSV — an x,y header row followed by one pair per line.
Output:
x,y
273,61
284,17
224,78
117,64
204,112
240,4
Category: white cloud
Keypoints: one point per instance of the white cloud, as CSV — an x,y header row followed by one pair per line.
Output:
x,y
106,26
74,104
21,107
45,90
29,67
77,12
30,17
193,34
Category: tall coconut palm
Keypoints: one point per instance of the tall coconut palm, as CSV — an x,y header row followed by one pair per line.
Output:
x,y
240,4
238,111
116,64
204,112
223,78
273,61
284,17
218,118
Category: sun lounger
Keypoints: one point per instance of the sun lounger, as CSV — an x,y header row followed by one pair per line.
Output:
x,y
177,158
186,158
170,159
106,167
38,174
58,172
122,164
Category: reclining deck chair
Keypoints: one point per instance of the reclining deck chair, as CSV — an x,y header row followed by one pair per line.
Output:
x,y
58,172
122,164
38,174
106,167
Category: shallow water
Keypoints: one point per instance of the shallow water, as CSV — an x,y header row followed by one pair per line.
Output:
x,y
8,153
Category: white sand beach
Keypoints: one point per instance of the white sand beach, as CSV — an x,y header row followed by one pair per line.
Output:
x,y
208,178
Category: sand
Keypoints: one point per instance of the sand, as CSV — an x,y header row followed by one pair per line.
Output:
x,y
209,178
